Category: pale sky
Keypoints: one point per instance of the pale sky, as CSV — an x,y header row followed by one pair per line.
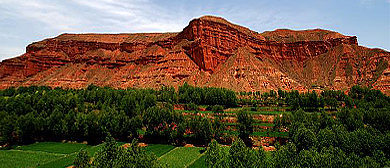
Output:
x,y
25,21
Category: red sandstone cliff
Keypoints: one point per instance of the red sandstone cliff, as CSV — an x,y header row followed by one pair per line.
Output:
x,y
210,51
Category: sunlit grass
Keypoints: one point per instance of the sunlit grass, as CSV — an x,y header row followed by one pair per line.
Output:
x,y
181,156
19,158
54,147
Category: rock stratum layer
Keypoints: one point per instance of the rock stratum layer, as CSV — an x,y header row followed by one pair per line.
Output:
x,y
210,51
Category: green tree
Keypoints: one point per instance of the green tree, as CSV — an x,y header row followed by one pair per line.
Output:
x,y
217,109
191,106
7,128
149,101
326,138
163,124
82,159
133,156
106,156
332,103
202,129
305,139
245,126
112,155
217,156
238,154
285,156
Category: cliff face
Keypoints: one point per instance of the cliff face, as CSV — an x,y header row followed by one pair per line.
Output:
x,y
210,51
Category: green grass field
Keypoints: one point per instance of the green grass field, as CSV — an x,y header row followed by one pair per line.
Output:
x,y
199,163
181,156
19,158
271,134
54,147
68,159
43,154
60,162
159,149
57,154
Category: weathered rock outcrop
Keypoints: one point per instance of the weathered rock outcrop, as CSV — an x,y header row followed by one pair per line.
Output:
x,y
210,51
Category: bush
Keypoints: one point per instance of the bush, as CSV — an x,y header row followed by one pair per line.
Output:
x,y
217,109
82,159
202,129
191,106
112,155
217,156
245,126
237,156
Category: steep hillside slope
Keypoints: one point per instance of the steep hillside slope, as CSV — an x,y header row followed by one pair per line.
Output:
x,y
210,51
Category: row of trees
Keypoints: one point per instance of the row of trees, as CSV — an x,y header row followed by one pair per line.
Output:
x,y
323,139
238,155
30,114
207,95
356,135
350,138
360,97
358,132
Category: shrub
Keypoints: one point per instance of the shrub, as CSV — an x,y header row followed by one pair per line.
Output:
x,y
82,159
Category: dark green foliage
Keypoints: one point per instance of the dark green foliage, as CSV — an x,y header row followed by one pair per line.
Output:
x,y
167,94
377,118
112,155
202,129
326,138
285,156
288,156
164,124
365,98
148,101
351,118
357,134
218,129
82,159
217,109
7,128
237,156
308,101
238,153
322,131
326,120
206,95
304,139
217,156
191,106
32,114
107,156
245,126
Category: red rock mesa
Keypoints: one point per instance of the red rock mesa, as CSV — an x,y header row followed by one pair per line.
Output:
x,y
210,51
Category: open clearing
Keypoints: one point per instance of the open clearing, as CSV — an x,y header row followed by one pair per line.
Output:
x,y
54,147
57,154
18,158
181,156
